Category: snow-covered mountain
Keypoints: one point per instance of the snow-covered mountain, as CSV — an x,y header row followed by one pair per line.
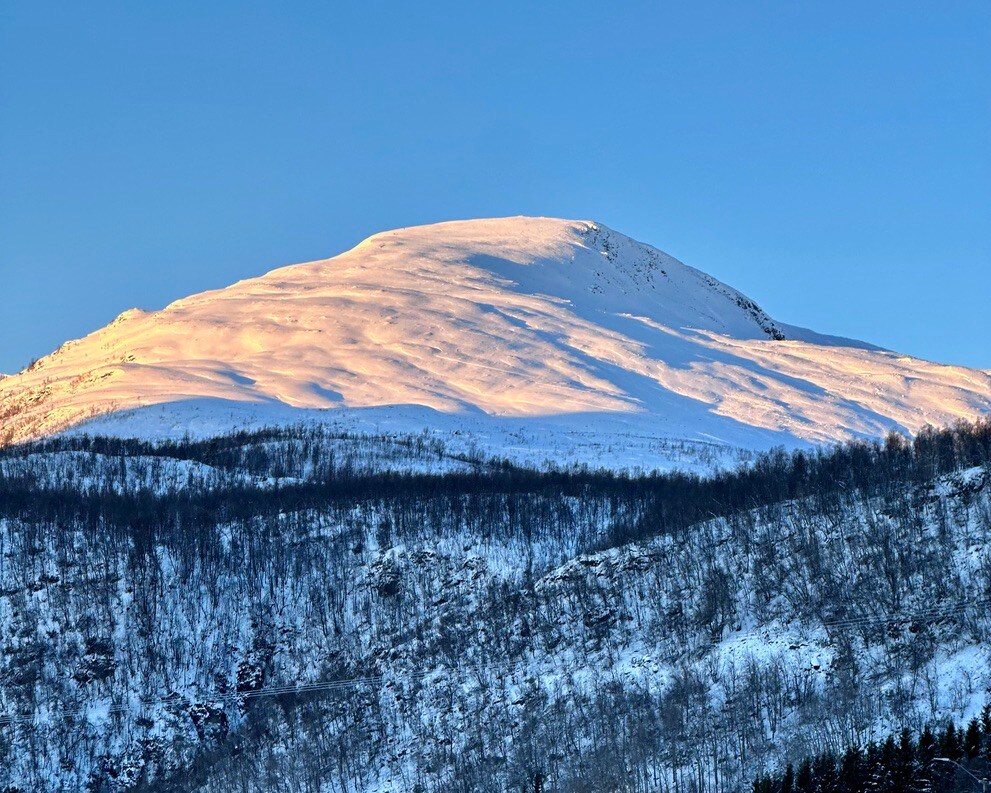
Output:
x,y
532,338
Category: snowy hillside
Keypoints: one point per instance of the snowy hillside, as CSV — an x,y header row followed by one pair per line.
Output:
x,y
254,613
537,339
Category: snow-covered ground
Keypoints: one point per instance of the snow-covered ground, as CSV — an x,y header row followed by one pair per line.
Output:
x,y
538,339
467,639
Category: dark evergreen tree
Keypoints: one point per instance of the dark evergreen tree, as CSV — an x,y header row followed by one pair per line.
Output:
x,y
972,739
950,744
851,775
898,765
788,780
804,781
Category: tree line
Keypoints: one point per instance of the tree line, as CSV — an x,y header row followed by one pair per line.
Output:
x,y
947,759
658,503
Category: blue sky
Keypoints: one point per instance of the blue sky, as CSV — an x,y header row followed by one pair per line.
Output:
x,y
831,160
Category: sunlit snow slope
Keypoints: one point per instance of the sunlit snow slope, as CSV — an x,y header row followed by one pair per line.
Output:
x,y
518,332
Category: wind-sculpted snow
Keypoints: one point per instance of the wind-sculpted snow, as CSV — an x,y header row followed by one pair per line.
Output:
x,y
565,330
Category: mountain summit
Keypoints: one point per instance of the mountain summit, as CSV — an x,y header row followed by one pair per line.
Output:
x,y
491,328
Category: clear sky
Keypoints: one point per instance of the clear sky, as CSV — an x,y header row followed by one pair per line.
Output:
x,y
831,160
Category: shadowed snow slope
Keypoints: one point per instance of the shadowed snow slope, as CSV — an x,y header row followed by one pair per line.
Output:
x,y
497,328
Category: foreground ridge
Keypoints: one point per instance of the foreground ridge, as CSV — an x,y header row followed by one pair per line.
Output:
x,y
217,614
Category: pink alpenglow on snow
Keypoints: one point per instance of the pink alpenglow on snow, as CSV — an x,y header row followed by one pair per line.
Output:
x,y
537,337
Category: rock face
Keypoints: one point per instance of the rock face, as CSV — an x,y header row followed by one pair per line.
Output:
x,y
563,329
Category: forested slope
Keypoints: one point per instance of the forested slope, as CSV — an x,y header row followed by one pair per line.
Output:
x,y
258,612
